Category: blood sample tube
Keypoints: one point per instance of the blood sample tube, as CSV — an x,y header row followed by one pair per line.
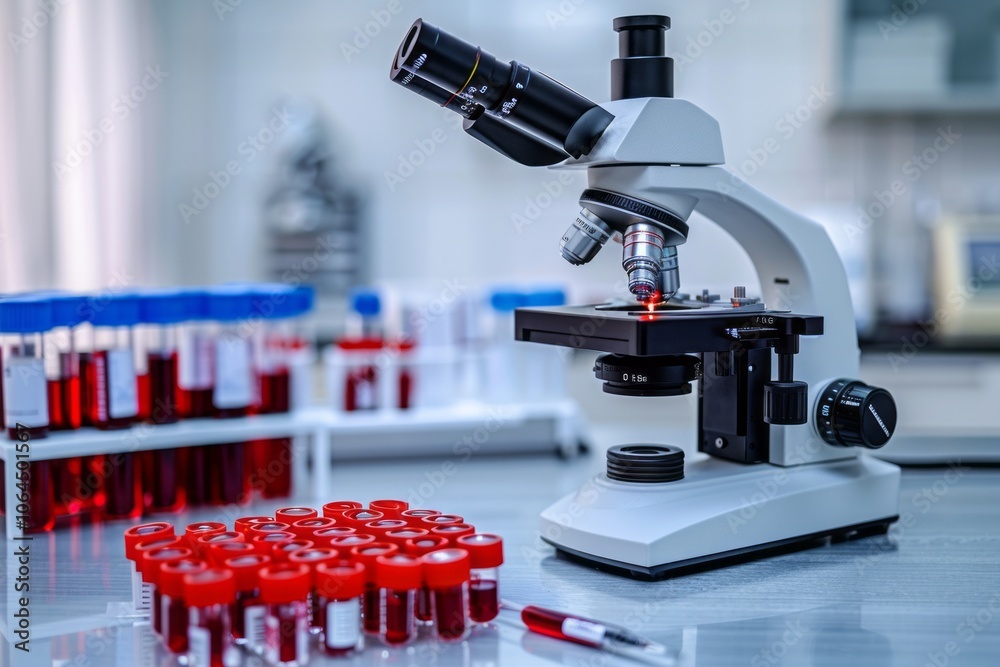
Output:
x,y
243,524
446,573
420,546
312,558
329,534
367,554
357,518
142,593
280,306
271,526
382,526
363,340
290,515
453,531
399,578
194,389
280,551
210,596
198,529
233,394
161,313
390,509
415,517
113,397
284,589
399,536
485,556
340,587
248,609
204,543
151,556
219,552
336,508
264,542
173,607
347,542
305,528
25,398
439,520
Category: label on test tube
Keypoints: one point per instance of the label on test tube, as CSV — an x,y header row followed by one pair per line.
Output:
x,y
123,399
253,625
194,370
343,623
198,645
585,631
25,397
233,376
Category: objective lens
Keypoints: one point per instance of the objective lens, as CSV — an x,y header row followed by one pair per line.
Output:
x,y
670,275
530,100
642,256
584,238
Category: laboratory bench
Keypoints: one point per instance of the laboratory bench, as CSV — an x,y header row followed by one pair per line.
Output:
x,y
928,593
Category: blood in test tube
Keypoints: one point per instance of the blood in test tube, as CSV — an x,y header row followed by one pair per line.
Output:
x,y
446,573
336,508
284,588
64,394
390,508
134,536
210,595
486,556
367,554
420,546
273,463
399,578
340,587
313,558
174,611
249,608
151,556
167,492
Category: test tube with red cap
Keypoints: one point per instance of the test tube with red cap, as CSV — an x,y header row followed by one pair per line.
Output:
x,y
244,523
210,595
380,527
447,573
142,593
325,535
280,551
419,546
486,556
220,552
347,542
151,556
312,558
399,536
198,529
415,517
399,578
161,313
336,508
340,587
281,307
435,520
195,382
25,399
390,508
233,393
367,554
205,543
358,518
249,608
364,339
284,589
174,610
264,542
306,528
453,531
290,515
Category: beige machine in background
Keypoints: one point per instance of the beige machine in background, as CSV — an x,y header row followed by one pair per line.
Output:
x,y
967,279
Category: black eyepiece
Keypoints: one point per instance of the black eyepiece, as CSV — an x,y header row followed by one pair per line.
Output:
x,y
642,68
511,91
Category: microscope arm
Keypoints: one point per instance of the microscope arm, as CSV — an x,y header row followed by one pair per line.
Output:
x,y
798,267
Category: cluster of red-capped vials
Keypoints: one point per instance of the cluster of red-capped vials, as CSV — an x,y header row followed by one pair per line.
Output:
x,y
282,586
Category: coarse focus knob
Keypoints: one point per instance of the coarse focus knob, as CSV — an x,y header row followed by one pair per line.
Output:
x,y
851,413
786,402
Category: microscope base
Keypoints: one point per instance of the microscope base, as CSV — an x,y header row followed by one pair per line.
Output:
x,y
721,513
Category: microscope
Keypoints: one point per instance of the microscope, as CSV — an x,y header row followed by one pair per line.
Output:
x,y
781,415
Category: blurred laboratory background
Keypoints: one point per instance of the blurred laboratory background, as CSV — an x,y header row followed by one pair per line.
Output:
x,y
186,142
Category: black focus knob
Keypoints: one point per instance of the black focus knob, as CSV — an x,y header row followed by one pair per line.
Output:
x,y
851,413
786,402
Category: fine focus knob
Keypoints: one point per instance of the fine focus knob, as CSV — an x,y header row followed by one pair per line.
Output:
x,y
786,402
851,413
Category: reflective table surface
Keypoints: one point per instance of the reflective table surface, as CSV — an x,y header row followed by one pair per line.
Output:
x,y
926,594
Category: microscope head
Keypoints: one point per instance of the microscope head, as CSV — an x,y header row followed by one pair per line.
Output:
x,y
537,121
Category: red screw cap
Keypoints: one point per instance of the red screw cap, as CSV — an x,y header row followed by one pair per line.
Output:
x,y
264,542
424,545
290,515
340,581
367,554
398,573
172,575
246,569
357,518
313,558
440,520
144,533
243,524
218,552
209,587
149,564
306,528
446,568
281,583
195,530
280,551
390,508
337,507
415,517
485,550
399,536
453,531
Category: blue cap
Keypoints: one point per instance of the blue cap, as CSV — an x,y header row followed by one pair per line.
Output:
x,y
366,302
68,310
113,310
197,302
27,314
277,301
549,296
229,303
164,306
506,300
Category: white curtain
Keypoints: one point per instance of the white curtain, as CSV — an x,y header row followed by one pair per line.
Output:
x,y
79,94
